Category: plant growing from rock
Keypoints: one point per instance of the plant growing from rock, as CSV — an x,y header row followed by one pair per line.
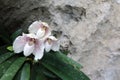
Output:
x,y
36,56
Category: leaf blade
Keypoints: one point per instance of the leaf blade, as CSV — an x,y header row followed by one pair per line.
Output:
x,y
68,60
62,69
10,48
5,56
25,74
4,66
11,71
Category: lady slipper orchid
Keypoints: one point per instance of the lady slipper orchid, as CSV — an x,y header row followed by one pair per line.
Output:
x,y
29,43
40,29
51,43
36,41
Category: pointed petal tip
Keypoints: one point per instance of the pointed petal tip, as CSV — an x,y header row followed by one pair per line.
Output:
x,y
39,51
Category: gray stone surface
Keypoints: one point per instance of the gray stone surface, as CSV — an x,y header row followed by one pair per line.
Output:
x,y
91,29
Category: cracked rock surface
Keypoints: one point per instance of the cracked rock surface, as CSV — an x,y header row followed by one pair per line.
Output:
x,y
91,29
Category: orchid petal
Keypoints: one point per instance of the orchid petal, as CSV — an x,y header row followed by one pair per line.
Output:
x,y
39,50
48,46
56,46
45,24
52,44
52,38
31,35
33,28
40,33
28,49
47,34
19,43
47,31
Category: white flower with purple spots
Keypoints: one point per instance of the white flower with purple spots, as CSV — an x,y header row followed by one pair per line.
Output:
x,y
40,29
29,43
38,39
52,43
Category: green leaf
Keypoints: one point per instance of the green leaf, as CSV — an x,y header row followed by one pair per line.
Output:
x,y
4,66
10,48
49,74
67,60
25,74
36,73
41,69
18,75
12,70
15,34
5,56
40,77
62,69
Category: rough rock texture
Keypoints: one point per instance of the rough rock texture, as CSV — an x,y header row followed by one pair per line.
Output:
x,y
91,29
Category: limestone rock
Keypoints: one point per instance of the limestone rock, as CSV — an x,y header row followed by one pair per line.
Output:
x,y
91,29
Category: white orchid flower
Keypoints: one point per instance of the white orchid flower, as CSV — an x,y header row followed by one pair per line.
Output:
x,y
40,29
29,43
52,43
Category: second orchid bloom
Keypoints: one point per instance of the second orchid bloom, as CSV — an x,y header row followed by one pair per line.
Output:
x,y
38,40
